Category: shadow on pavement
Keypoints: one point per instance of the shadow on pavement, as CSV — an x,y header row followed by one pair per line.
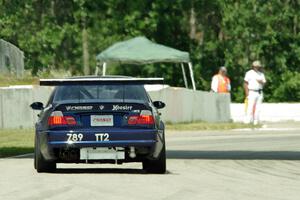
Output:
x,y
102,171
98,171
234,155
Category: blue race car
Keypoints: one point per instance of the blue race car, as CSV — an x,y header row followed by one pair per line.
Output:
x,y
109,119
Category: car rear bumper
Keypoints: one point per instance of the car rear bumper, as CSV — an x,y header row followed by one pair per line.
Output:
x,y
117,143
58,139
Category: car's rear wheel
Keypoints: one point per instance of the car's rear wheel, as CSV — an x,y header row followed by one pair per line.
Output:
x,y
40,164
157,166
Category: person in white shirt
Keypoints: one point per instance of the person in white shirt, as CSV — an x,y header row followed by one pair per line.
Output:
x,y
254,82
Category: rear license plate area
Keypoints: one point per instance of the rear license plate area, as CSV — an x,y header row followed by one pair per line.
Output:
x,y
102,120
102,154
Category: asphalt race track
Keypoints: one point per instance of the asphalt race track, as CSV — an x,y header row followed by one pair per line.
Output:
x,y
239,164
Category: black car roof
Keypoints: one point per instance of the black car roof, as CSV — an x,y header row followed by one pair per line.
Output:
x,y
91,80
96,77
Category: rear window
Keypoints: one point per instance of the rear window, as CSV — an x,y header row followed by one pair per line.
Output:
x,y
101,93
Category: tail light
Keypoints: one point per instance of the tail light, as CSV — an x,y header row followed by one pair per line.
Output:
x,y
145,118
57,118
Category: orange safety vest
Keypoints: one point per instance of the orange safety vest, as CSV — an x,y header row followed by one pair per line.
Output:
x,y
223,83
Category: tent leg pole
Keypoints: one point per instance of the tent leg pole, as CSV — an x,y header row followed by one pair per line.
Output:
x,y
104,69
184,75
97,69
192,75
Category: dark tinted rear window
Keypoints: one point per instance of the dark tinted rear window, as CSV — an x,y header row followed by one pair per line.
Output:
x,y
101,93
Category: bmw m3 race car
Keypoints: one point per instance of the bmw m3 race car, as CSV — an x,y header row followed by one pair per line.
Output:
x,y
108,119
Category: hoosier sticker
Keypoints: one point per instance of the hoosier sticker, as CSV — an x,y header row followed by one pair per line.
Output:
x,y
121,107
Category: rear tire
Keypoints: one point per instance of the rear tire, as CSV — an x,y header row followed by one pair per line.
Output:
x,y
40,164
156,166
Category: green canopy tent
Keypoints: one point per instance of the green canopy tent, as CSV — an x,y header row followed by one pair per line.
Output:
x,y
140,50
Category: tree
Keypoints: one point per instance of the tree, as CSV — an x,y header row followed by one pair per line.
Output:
x,y
69,34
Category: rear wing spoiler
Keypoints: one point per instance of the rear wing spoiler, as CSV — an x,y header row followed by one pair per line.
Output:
x,y
93,81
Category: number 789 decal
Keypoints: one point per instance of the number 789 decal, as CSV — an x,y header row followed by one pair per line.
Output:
x,y
73,137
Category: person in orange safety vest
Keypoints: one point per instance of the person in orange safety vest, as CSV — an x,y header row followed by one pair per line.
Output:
x,y
220,82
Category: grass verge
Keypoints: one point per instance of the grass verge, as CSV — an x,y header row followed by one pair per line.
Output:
x,y
16,141
29,79
12,80
197,126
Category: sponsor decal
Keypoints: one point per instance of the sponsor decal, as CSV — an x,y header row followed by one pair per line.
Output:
x,y
114,107
102,119
121,107
79,108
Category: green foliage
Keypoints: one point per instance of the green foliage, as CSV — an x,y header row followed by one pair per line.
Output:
x,y
289,90
220,32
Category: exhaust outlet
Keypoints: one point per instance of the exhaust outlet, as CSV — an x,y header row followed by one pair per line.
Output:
x,y
132,152
69,155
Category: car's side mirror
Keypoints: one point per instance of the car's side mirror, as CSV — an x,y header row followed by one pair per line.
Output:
x,y
37,106
159,104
